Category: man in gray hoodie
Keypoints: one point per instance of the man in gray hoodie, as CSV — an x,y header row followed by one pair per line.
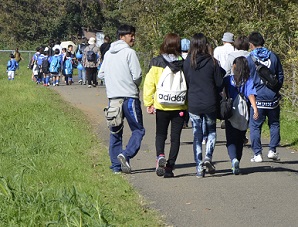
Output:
x,y
122,74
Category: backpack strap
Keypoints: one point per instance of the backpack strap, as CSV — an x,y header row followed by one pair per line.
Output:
x,y
255,60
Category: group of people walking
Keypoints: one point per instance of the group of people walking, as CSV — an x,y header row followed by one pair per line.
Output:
x,y
50,63
229,71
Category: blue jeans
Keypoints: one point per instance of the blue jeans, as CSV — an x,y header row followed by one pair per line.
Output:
x,y
133,113
82,75
273,116
197,124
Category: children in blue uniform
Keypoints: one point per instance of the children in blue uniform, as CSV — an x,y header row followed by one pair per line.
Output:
x,y
55,66
39,59
68,68
12,66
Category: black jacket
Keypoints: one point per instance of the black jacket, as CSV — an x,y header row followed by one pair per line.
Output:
x,y
204,83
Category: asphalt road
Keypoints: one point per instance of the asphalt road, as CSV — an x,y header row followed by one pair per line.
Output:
x,y
265,194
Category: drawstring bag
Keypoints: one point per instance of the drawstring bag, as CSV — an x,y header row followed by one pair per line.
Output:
x,y
239,119
171,88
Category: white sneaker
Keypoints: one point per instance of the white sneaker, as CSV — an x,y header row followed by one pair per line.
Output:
x,y
125,167
257,158
273,155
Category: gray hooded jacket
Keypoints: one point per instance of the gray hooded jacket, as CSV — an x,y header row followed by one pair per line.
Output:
x,y
121,71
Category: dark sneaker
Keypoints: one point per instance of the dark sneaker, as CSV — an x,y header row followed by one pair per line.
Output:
x,y
223,125
168,172
209,166
160,166
125,167
245,140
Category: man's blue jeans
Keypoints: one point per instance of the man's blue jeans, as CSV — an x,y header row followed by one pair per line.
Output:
x,y
133,113
197,124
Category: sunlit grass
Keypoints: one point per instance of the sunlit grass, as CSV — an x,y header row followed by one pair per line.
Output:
x,y
53,169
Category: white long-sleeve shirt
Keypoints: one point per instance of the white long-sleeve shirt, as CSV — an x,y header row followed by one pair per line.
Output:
x,y
221,53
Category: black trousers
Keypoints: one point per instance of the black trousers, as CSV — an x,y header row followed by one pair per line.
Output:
x,y
91,74
163,120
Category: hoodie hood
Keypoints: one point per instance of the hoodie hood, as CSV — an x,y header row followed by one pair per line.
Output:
x,y
175,63
261,53
202,60
117,46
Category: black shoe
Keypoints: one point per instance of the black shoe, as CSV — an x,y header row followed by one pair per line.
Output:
x,y
209,166
168,173
245,140
223,125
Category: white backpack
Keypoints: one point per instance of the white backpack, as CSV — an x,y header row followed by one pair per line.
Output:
x,y
239,119
171,88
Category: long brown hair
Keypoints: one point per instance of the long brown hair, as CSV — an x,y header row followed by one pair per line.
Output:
x,y
171,44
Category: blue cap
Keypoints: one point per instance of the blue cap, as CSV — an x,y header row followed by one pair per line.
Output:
x,y
185,44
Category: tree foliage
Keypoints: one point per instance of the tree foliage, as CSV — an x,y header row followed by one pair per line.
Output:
x,y
26,21
276,20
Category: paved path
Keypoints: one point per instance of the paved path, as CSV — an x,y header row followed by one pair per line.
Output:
x,y
266,194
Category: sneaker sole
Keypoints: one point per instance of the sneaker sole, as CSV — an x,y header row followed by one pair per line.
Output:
x,y
210,167
160,170
124,165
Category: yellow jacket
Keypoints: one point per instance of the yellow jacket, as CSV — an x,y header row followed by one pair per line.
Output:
x,y
151,80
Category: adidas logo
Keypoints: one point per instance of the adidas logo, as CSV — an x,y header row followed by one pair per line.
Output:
x,y
174,98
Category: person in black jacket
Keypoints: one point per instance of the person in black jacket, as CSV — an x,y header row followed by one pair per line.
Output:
x,y
105,47
204,80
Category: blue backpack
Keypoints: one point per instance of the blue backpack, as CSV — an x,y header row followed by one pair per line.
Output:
x,y
39,59
55,64
67,69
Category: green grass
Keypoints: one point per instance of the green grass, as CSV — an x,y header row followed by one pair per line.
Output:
x,y
53,169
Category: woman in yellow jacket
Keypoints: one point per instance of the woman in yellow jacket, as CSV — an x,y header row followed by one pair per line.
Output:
x,y
165,114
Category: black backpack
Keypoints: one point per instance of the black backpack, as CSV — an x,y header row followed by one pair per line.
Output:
x,y
91,56
45,65
269,79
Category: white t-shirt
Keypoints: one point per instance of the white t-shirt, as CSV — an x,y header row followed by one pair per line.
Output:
x,y
221,53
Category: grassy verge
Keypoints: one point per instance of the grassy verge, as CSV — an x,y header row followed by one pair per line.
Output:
x,y
48,175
